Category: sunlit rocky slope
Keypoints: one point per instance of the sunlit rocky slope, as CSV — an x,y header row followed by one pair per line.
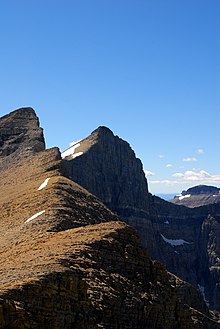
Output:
x,y
67,261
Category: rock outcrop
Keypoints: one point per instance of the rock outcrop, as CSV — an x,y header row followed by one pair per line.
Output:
x,y
20,135
69,262
172,234
114,175
198,196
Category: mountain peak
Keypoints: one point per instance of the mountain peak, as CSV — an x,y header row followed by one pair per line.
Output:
x,y
201,189
102,131
110,170
23,112
20,134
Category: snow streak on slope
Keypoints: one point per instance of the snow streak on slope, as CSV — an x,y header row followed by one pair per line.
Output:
x,y
71,151
175,242
44,184
184,196
35,216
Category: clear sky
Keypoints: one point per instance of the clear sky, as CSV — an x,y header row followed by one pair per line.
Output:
x,y
147,69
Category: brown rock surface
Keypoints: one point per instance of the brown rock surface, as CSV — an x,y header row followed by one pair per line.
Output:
x,y
20,135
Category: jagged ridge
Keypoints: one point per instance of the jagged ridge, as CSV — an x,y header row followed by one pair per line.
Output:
x,y
76,265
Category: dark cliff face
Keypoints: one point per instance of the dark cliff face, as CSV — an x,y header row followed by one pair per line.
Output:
x,y
190,244
68,262
172,234
110,171
20,135
211,238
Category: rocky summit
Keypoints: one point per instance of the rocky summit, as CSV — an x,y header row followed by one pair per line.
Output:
x,y
113,172
20,135
67,261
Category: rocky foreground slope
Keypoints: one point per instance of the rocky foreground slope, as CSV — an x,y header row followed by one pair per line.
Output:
x,y
69,262
185,240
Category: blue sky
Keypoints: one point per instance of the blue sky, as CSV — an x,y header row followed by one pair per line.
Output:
x,y
149,70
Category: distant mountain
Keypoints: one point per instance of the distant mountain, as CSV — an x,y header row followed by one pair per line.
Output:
x,y
199,195
202,189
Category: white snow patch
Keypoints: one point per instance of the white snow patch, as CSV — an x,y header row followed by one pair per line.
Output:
x,y
175,242
73,143
77,154
167,222
35,216
44,184
184,196
70,150
214,194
